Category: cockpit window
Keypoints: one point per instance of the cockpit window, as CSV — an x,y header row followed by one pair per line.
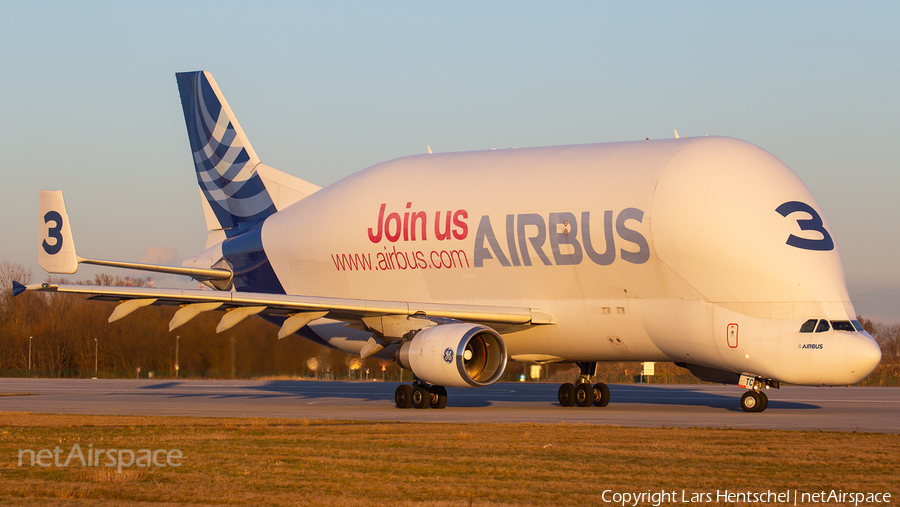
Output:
x,y
809,326
859,327
842,325
823,326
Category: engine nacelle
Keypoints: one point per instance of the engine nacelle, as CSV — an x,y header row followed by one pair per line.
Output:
x,y
455,355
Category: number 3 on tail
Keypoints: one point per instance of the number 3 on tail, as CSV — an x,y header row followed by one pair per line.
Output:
x,y
54,232
810,224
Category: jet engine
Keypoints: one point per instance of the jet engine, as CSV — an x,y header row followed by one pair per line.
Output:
x,y
455,355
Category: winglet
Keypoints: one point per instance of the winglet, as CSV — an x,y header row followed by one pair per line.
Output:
x,y
56,252
18,288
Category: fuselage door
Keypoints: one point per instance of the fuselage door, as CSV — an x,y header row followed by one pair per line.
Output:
x,y
732,335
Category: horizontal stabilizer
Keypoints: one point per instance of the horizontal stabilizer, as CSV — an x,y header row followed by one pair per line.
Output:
x,y
196,273
284,189
56,253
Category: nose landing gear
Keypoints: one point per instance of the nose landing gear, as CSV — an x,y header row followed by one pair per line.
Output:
x,y
755,400
582,392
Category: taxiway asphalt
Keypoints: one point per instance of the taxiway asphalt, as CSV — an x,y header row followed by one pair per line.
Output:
x,y
868,409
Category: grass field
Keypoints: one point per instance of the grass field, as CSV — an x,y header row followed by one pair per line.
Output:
x,y
301,462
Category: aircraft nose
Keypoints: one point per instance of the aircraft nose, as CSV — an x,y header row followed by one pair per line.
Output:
x,y
861,355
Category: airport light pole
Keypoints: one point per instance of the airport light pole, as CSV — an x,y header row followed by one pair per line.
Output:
x,y
96,355
29,352
177,338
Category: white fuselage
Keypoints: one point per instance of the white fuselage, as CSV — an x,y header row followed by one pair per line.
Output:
x,y
665,250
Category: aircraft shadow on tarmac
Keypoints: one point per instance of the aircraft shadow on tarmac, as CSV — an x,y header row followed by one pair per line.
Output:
x,y
641,394
163,385
318,390
384,391
688,395
277,388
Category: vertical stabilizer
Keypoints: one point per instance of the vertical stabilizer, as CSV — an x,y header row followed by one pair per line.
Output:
x,y
224,160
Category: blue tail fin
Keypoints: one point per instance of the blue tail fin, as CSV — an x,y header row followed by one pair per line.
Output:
x,y
224,160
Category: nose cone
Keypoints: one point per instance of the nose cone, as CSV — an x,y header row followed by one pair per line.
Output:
x,y
861,355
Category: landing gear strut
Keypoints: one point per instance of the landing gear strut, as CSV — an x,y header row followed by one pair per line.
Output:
x,y
420,395
582,393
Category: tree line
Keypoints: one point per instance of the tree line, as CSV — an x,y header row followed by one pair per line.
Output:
x,y
68,335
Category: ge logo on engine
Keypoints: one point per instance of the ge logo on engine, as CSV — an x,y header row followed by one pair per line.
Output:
x,y
448,355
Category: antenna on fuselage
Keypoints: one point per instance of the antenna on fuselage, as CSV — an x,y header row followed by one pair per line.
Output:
x,y
676,134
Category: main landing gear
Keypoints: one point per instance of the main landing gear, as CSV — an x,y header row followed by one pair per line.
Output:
x,y
582,392
420,395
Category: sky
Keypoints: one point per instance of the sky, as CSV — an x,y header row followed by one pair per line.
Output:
x,y
90,105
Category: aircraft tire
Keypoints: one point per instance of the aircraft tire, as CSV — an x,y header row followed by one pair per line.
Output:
x,y
752,402
566,395
438,397
584,395
765,401
403,396
420,397
601,395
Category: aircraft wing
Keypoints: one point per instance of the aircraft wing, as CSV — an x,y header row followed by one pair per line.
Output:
x,y
299,310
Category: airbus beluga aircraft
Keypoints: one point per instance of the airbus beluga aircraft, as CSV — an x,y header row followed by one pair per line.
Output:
x,y
708,252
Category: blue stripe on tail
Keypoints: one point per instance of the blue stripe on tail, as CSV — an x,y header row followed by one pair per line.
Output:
x,y
223,163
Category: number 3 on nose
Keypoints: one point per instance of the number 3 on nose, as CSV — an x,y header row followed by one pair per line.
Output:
x,y
810,224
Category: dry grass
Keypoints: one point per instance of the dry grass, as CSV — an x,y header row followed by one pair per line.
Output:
x,y
307,462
